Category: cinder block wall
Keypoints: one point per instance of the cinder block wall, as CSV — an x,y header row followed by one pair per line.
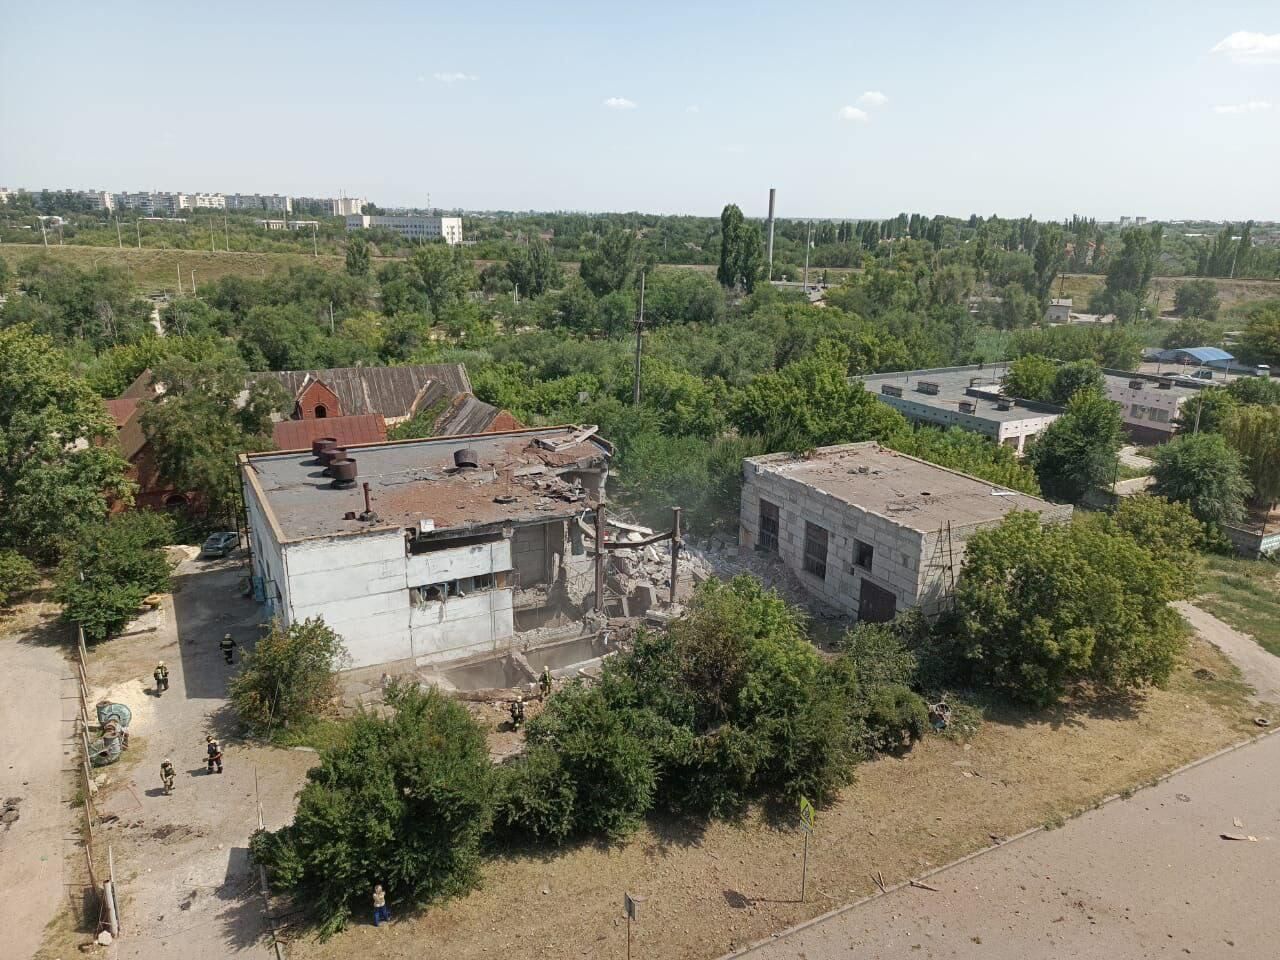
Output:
x,y
896,566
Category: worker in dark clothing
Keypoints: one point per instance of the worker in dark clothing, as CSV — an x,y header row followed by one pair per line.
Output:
x,y
544,682
213,749
161,673
228,646
167,775
517,713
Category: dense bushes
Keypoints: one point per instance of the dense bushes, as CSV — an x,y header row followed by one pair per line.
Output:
x,y
288,676
111,568
17,576
403,802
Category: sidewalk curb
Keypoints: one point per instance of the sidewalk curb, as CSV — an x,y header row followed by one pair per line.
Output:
x,y
845,908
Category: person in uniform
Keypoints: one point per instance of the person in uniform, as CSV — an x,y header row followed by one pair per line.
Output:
x,y
213,751
544,682
228,646
167,774
161,673
517,713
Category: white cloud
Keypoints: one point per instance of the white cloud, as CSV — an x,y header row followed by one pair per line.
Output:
x,y
449,79
693,108
1252,106
620,103
852,114
1244,46
735,148
873,98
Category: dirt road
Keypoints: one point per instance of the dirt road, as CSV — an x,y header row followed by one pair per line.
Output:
x,y
1260,669
37,697
1146,877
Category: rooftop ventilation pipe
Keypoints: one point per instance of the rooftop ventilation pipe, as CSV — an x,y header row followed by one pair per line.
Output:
x,y
321,444
466,458
343,473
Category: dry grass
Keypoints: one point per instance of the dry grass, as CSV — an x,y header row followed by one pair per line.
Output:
x,y
718,886
1246,594
1080,286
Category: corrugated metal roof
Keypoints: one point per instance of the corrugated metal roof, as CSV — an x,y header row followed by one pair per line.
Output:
x,y
298,434
1202,354
467,414
391,392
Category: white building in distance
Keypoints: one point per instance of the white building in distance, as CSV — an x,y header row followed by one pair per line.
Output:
x,y
208,201
259,201
448,229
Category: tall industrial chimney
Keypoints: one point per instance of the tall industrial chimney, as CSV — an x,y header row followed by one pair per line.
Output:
x,y
772,194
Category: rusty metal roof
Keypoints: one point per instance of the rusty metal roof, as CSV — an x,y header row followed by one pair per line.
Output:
x,y
518,480
298,434
391,392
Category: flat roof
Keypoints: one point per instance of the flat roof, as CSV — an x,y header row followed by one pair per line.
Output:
x,y
954,384
906,490
518,480
1178,385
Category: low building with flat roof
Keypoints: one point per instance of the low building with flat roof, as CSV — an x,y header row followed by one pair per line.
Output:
x,y
868,530
425,551
1149,404
968,397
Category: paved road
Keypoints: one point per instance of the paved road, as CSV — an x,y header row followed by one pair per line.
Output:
x,y
1146,877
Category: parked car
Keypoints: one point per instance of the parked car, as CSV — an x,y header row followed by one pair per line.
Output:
x,y
221,544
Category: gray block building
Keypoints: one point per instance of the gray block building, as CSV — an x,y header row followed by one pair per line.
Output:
x,y
870,531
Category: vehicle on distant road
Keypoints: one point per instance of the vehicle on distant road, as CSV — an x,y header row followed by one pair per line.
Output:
x,y
221,544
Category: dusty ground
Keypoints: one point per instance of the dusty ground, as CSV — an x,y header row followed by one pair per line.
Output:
x,y
37,710
1147,877
182,861
1260,669
715,888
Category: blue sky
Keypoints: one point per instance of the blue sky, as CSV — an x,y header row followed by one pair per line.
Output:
x,y
849,109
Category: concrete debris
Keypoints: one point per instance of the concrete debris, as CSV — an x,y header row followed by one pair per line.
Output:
x,y
1239,836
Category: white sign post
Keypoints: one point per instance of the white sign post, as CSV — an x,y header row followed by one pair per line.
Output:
x,y
806,823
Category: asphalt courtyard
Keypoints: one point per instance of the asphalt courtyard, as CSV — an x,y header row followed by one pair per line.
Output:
x,y
1188,867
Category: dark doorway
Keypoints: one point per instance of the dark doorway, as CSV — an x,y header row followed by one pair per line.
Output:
x,y
876,604
321,411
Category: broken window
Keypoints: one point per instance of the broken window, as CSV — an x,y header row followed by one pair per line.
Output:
x,y
462,587
768,541
863,554
815,550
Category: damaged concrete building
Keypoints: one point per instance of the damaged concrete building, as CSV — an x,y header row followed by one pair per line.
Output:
x,y
868,530
430,551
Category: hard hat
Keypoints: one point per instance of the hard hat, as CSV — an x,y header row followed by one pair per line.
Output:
x,y
159,663
166,760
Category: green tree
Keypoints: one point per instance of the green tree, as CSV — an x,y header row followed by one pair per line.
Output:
x,y
1031,378
1260,391
404,801
1191,332
289,676
613,263
740,250
810,403
1207,411
207,415
358,259
533,269
443,273
1262,334
1255,433
1072,377
1168,529
1197,298
17,576
1129,273
682,296
1050,255
969,453
1040,609
1078,451
59,466
1204,472
112,567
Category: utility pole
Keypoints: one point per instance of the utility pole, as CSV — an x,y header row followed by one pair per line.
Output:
x,y
772,194
226,232
43,236
212,243
635,396
330,318
676,541
138,224
179,279
193,283
315,250
600,555
119,239
808,242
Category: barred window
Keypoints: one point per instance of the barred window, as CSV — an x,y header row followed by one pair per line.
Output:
x,y
815,550
768,540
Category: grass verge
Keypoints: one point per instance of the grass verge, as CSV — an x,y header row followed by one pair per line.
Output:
x,y
1245,594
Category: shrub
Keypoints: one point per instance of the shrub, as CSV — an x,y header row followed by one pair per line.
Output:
x,y
17,576
895,718
288,676
403,802
1204,472
111,568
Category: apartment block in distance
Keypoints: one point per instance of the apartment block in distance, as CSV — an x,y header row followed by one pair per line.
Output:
x,y
968,397
870,531
448,229
259,201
